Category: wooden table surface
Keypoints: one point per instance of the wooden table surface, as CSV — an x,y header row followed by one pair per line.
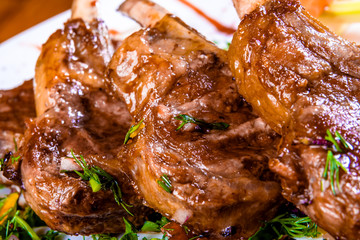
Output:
x,y
19,15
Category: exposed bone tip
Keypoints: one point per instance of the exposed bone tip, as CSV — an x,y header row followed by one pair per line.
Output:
x,y
145,12
244,7
84,9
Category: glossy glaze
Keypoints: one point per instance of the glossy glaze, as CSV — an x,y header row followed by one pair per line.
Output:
x,y
75,112
302,80
16,106
220,178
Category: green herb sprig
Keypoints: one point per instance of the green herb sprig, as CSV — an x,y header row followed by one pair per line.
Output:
x,y
289,225
15,159
156,226
20,223
133,131
202,124
99,179
130,231
332,164
165,183
149,226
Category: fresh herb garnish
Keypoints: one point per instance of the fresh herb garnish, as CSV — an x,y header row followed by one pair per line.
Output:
x,y
133,131
103,237
14,159
156,226
130,231
196,237
227,46
165,183
99,179
20,223
202,124
15,144
50,235
289,225
333,165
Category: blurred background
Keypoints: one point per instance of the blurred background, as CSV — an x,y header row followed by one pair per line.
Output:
x,y
18,15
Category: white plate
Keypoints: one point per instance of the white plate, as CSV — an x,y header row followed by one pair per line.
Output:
x,y
18,55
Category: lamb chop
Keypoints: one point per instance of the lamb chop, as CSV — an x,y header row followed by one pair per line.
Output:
x,y
304,81
75,113
16,106
206,174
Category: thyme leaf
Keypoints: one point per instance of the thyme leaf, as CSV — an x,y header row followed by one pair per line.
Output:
x,y
165,183
100,179
133,131
201,123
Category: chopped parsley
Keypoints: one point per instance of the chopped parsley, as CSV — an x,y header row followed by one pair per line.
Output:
x,y
99,179
165,183
202,124
133,131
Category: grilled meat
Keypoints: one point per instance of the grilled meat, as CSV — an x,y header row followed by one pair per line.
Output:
x,y
16,106
219,178
303,80
75,112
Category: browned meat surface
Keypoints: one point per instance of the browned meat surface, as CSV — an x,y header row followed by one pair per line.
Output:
x,y
75,113
221,184
303,80
16,106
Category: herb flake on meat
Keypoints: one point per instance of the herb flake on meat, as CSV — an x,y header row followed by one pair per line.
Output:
x,y
133,131
333,165
202,124
100,179
165,183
